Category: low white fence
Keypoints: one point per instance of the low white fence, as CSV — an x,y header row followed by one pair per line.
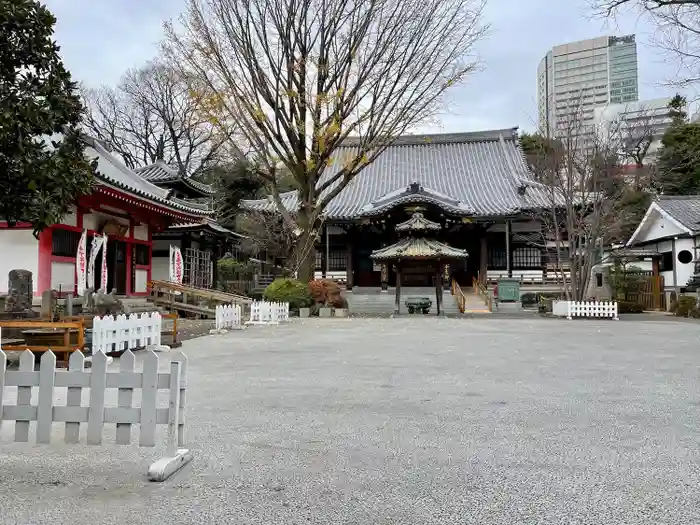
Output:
x,y
265,312
603,309
98,380
228,316
120,333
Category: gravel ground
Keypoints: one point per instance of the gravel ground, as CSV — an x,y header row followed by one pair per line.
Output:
x,y
407,420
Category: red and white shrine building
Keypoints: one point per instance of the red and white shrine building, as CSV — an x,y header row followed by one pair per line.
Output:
x,y
125,206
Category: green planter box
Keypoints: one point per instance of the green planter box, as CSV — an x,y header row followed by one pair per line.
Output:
x,y
509,290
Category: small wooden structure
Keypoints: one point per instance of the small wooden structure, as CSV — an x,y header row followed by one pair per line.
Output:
x,y
62,338
418,253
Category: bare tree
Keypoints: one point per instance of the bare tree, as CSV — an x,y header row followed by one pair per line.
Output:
x,y
584,206
298,78
678,29
266,233
637,130
150,116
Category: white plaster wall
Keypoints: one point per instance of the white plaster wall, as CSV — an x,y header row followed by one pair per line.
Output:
x,y
684,271
71,218
20,251
140,281
160,268
91,221
141,232
658,228
63,276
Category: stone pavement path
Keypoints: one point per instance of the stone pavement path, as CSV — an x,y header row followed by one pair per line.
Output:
x,y
408,420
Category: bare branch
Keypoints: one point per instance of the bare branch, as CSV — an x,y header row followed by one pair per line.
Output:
x,y
150,115
297,78
677,24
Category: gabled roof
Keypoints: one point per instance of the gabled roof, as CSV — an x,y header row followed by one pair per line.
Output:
x,y
479,173
113,172
683,211
160,172
417,222
418,248
206,224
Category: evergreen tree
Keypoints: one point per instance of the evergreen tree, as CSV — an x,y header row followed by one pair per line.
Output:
x,y
42,165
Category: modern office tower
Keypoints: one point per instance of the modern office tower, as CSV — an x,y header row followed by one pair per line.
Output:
x,y
575,78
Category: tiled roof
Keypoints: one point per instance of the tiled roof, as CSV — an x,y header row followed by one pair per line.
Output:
x,y
160,172
418,248
417,222
469,174
113,172
684,208
206,223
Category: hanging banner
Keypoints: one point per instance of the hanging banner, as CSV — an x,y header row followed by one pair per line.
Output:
x,y
103,272
94,250
176,269
81,263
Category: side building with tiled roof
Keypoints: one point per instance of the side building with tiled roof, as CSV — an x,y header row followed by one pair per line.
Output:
x,y
476,185
202,243
671,228
129,209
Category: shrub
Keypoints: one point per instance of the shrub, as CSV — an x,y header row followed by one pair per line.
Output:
x,y
545,305
686,303
629,307
694,313
325,292
288,291
534,298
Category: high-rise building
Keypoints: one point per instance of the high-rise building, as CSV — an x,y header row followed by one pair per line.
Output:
x,y
574,78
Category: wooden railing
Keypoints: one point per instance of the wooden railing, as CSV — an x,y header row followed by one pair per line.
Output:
x,y
481,290
459,296
190,299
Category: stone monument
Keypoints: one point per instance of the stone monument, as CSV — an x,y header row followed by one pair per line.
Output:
x,y
20,292
599,287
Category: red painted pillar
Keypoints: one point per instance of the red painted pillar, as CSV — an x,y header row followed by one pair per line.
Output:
x,y
44,266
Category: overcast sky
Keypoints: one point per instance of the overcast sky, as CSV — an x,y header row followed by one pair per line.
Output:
x,y
100,39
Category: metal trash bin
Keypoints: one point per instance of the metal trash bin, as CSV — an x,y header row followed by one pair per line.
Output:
x,y
508,290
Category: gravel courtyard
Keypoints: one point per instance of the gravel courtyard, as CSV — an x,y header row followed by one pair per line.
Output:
x,y
400,421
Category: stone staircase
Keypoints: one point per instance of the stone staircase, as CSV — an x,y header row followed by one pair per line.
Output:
x,y
372,301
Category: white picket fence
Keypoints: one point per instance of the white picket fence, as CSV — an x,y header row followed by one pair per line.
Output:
x,y
604,309
265,312
228,316
98,381
117,334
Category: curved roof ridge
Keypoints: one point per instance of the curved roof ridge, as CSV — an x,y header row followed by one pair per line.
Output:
x,y
443,138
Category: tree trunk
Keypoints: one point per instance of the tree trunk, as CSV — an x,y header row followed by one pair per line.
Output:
x,y
305,248
306,262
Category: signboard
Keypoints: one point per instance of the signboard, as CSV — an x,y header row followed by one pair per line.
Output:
x,y
81,263
103,273
176,269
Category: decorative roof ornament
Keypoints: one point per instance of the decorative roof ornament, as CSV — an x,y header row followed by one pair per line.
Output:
x,y
418,222
418,248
